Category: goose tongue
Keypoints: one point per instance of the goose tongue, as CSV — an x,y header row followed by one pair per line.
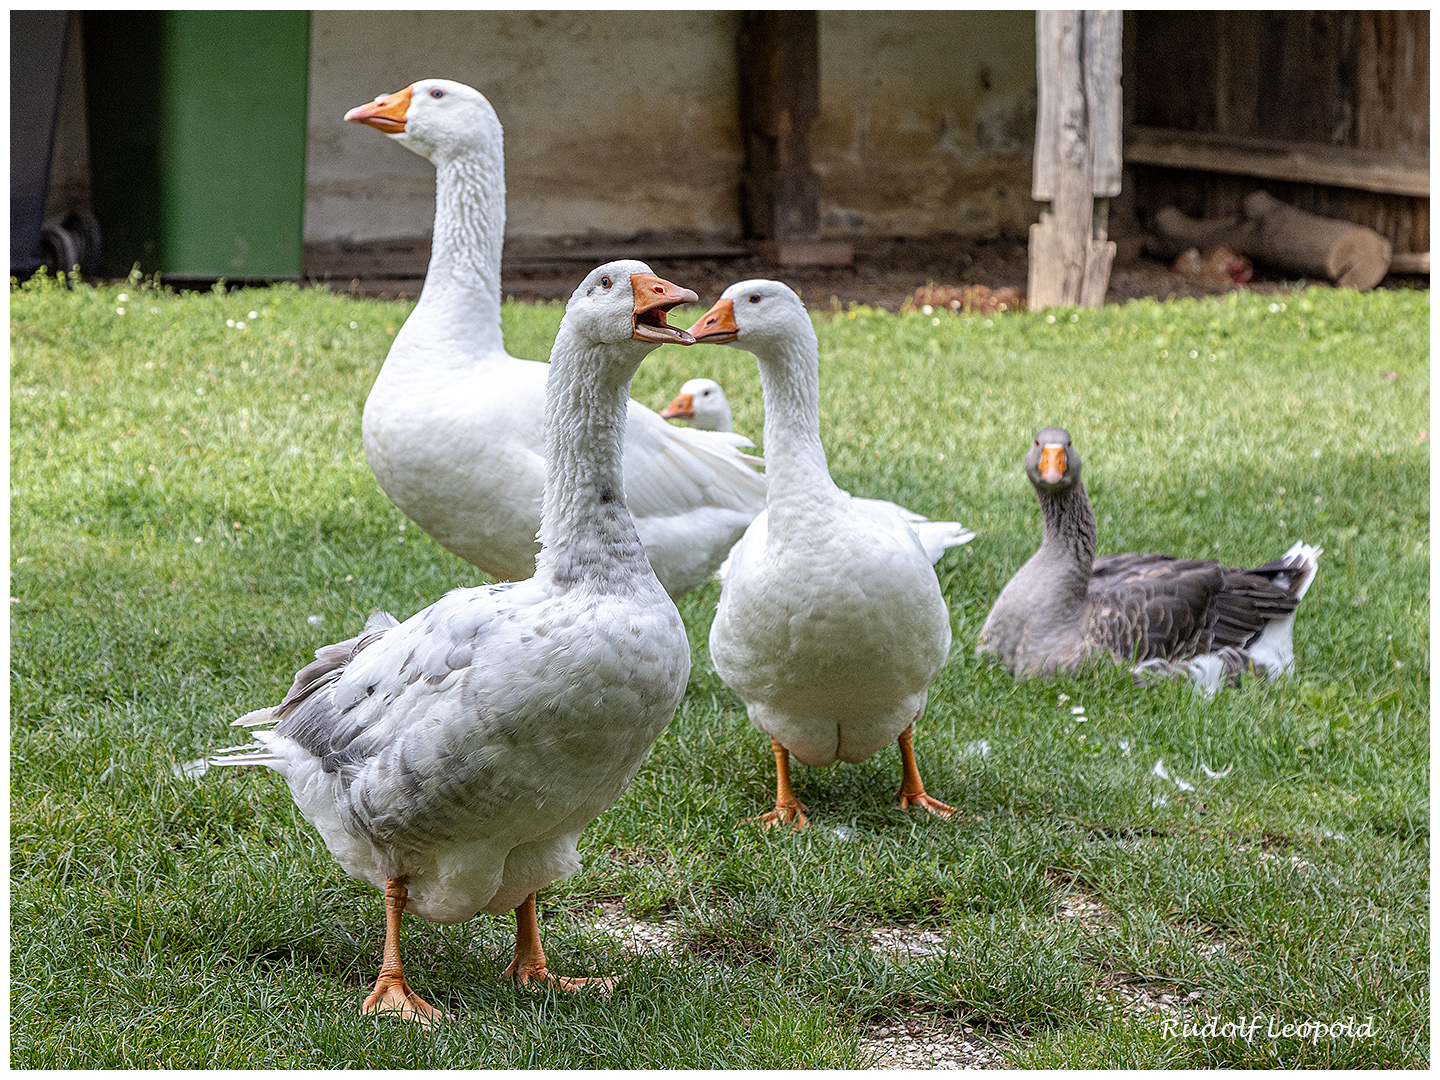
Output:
x,y
654,296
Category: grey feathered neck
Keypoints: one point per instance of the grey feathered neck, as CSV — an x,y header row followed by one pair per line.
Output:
x,y
1070,531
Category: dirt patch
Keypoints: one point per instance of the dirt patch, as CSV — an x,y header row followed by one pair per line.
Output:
x,y
639,938
1078,902
906,942
886,271
1139,1000
913,1044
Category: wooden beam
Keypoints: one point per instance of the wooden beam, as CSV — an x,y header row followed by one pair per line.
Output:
x,y
1077,156
1275,159
779,58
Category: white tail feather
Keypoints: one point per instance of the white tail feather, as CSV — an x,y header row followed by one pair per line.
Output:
x,y
256,718
936,537
1274,649
248,754
1207,673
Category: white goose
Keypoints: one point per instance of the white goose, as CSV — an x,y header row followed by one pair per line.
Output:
x,y
454,759
831,625
703,403
453,424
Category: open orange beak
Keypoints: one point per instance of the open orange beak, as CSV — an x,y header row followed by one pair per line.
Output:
x,y
682,408
717,326
386,113
654,296
1052,463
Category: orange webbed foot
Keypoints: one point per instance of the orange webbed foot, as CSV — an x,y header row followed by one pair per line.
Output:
x,y
527,976
791,813
393,997
935,806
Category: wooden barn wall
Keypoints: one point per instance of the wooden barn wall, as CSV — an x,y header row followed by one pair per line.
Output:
x,y
1336,78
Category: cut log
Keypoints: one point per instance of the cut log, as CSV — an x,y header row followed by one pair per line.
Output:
x,y
1175,232
1284,236
1348,254
1410,262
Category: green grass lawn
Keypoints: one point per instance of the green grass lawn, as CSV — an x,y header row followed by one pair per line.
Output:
x,y
192,515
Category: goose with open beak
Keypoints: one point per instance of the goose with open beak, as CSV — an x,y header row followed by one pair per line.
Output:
x,y
454,759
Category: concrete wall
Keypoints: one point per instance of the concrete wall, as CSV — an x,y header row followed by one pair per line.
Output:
x,y
927,122
618,123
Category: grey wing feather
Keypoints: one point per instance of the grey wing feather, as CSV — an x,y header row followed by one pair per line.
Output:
x,y
1145,606
1245,603
1162,606
311,719
302,716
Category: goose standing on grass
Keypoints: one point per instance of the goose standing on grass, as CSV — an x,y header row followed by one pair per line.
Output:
x,y
831,625
1174,616
703,403
453,760
453,424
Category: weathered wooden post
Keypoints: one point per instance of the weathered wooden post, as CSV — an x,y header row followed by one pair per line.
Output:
x,y
1077,156
779,60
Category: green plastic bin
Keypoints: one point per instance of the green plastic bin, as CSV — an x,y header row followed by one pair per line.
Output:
x,y
197,140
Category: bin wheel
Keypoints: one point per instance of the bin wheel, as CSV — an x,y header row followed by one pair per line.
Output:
x,y
83,226
59,249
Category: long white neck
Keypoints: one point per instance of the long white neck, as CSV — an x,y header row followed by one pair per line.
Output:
x,y
723,420
797,476
458,314
587,536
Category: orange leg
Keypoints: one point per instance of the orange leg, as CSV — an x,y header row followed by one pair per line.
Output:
x,y
787,807
912,789
529,963
392,994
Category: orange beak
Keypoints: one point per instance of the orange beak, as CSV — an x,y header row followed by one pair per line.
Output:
x,y
1052,463
386,113
654,296
682,408
717,326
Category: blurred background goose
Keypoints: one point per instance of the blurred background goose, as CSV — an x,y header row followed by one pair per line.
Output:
x,y
453,426
703,403
831,624
1164,614
453,760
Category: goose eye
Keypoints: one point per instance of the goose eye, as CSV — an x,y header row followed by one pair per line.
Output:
x,y
754,298
605,281
437,94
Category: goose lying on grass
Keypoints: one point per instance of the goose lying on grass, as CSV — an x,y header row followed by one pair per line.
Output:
x,y
1172,616
453,760
831,625
453,424
703,403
